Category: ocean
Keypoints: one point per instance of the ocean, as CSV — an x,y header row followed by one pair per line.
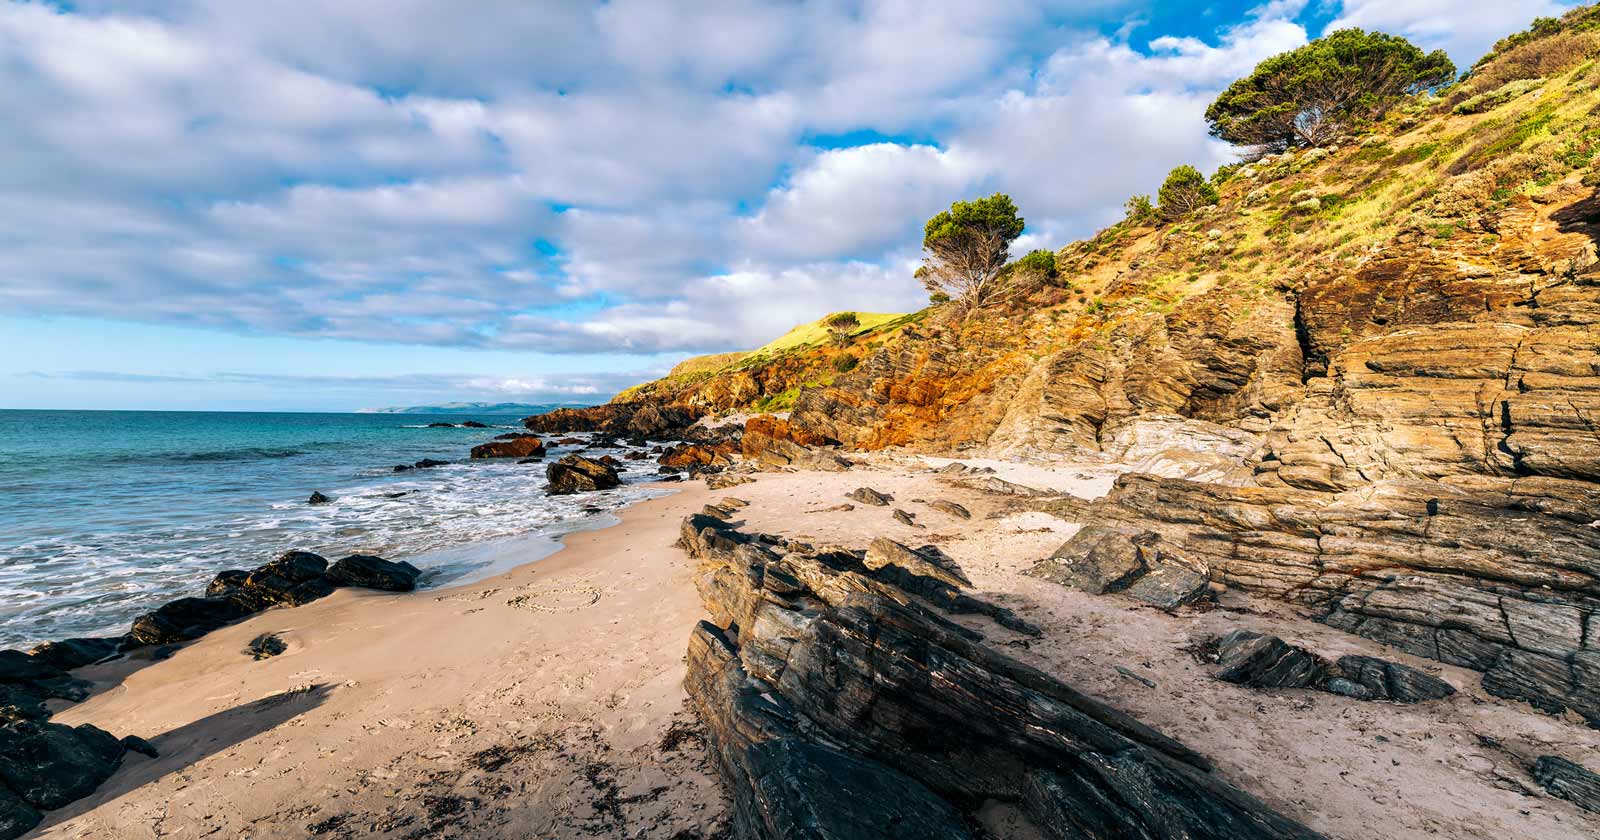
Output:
x,y
108,514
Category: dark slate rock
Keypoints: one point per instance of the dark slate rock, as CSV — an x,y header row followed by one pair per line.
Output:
x,y
50,765
16,815
1569,781
428,463
1348,688
1386,680
317,498
473,424
133,743
810,790
369,572
186,619
869,496
16,666
1100,560
1260,661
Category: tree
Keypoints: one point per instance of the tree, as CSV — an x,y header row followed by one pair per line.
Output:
x,y
1312,95
966,249
1184,192
1140,210
842,325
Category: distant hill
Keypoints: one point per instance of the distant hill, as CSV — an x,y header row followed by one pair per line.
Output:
x,y
508,408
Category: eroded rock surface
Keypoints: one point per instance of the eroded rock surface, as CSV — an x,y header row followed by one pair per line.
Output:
x,y
577,474
1099,560
816,665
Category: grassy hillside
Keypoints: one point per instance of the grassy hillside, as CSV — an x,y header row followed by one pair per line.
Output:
x,y
816,332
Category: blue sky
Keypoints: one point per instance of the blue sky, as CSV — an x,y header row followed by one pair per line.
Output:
x,y
299,205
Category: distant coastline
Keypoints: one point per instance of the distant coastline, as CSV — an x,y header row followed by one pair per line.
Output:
x,y
497,409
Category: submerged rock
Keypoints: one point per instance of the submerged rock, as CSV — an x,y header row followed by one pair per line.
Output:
x,y
473,424
317,498
371,572
577,474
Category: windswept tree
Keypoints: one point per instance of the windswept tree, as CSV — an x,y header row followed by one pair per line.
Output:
x,y
966,249
1313,95
1184,192
842,325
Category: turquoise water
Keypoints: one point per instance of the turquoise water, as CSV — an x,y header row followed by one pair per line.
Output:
x,y
106,514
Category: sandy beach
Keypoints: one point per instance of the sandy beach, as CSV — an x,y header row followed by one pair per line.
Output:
x,y
547,701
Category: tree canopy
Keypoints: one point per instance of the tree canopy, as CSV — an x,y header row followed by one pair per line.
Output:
x,y
1184,192
841,325
1312,95
966,249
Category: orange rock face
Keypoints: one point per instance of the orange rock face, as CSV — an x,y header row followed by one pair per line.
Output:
x,y
526,447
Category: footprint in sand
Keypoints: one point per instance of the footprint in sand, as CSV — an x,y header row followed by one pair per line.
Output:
x,y
558,599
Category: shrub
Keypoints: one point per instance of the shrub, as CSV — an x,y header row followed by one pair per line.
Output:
x,y
1184,192
1140,210
842,325
845,363
1314,94
1497,97
1038,262
966,249
1536,59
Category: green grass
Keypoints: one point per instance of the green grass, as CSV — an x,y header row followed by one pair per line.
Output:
x,y
816,332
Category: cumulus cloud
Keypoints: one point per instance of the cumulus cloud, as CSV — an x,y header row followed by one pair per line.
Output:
x,y
1464,28
632,177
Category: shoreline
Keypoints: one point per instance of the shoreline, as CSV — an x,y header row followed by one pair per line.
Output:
x,y
547,701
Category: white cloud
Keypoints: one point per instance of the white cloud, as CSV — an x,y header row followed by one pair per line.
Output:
x,y
1466,29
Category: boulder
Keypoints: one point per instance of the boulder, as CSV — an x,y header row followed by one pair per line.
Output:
x,y
68,654
187,618
724,480
317,498
905,518
1100,560
294,578
17,817
1384,680
427,463
473,424
48,765
869,496
521,447
369,572
691,455
441,425
577,474
1260,661
950,508
1568,780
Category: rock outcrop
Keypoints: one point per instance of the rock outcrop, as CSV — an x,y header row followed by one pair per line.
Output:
x,y
699,456
627,419
577,474
1142,566
518,447
1568,780
838,703
773,441
1258,660
44,766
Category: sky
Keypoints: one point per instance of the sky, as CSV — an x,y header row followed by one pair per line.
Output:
x,y
297,205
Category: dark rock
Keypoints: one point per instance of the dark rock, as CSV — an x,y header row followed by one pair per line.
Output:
x,y
514,435
441,425
49,765
16,815
577,474
869,496
1569,781
369,572
265,646
531,461
609,460
16,666
623,419
1386,680
187,618
294,578
403,468
951,508
473,424
798,789
1347,688
523,447
905,518
1260,661
834,655
318,499
571,441
133,743
1099,560
427,463
68,654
